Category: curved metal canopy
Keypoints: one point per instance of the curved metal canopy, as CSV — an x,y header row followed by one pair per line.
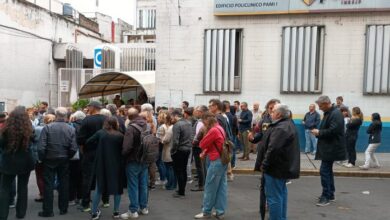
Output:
x,y
117,82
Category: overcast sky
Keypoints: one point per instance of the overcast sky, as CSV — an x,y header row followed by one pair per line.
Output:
x,y
123,9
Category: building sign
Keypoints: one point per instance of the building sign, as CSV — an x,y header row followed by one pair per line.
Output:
x,y
64,86
259,7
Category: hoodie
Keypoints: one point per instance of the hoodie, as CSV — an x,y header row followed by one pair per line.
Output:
x,y
132,140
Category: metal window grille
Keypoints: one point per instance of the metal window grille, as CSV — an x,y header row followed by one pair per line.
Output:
x,y
222,60
377,63
138,58
147,19
302,59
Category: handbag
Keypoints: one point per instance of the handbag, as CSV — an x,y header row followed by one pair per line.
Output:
x,y
225,154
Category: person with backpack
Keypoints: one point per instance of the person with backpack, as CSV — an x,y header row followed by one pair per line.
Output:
x,y
136,169
215,189
108,165
181,148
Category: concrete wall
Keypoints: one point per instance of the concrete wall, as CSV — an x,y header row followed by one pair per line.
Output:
x,y
28,72
180,55
105,25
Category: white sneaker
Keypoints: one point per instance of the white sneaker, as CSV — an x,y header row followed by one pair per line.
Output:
x,y
345,164
159,183
230,178
144,211
129,214
202,216
364,167
349,165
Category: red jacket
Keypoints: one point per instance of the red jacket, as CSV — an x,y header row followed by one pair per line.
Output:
x,y
214,138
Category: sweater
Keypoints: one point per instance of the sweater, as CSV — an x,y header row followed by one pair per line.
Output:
x,y
214,139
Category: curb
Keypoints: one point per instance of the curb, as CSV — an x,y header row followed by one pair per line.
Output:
x,y
317,173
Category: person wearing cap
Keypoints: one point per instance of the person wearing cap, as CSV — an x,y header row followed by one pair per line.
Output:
x,y
330,147
181,148
90,125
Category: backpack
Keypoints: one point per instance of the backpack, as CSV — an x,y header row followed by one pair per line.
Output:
x,y
226,153
149,150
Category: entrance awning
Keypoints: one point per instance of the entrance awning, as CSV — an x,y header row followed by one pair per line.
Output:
x,y
117,82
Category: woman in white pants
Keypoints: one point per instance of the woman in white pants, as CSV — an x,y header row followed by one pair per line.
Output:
x,y
374,140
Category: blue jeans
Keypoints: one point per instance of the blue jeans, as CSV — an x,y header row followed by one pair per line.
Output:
x,y
137,185
171,178
327,179
311,141
96,199
160,165
276,194
215,189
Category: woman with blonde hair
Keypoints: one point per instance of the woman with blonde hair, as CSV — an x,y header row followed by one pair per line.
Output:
x,y
166,140
351,135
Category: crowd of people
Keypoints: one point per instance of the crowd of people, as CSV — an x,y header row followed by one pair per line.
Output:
x,y
97,152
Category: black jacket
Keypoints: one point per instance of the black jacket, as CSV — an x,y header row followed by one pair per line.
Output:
x,y
353,128
14,163
108,167
90,125
181,136
132,141
331,140
375,130
57,141
281,150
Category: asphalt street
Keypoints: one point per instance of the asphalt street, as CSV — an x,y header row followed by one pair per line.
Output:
x,y
243,201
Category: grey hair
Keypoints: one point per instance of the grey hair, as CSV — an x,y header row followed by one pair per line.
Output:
x,y
147,107
202,108
283,110
61,112
105,112
79,115
323,99
112,108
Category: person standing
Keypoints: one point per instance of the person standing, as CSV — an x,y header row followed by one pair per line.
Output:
x,y
114,112
181,149
374,140
256,117
281,160
330,147
215,194
166,140
90,125
108,165
351,135
198,113
57,145
75,175
311,121
16,160
136,170
244,126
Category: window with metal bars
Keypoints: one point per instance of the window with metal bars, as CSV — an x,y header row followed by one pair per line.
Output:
x,y
147,19
302,59
222,60
377,62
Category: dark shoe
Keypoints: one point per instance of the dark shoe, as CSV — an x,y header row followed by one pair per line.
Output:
x,y
45,215
19,217
116,215
63,212
96,216
38,200
332,199
198,189
323,202
177,195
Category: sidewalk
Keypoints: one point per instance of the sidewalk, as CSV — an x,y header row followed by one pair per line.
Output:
x,y
310,169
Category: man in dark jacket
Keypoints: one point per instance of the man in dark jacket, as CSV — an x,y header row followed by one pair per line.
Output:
x,y
181,148
56,146
331,146
136,170
311,121
244,126
281,160
90,125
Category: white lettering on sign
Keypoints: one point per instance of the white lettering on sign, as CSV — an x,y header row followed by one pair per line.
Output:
x,y
247,5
